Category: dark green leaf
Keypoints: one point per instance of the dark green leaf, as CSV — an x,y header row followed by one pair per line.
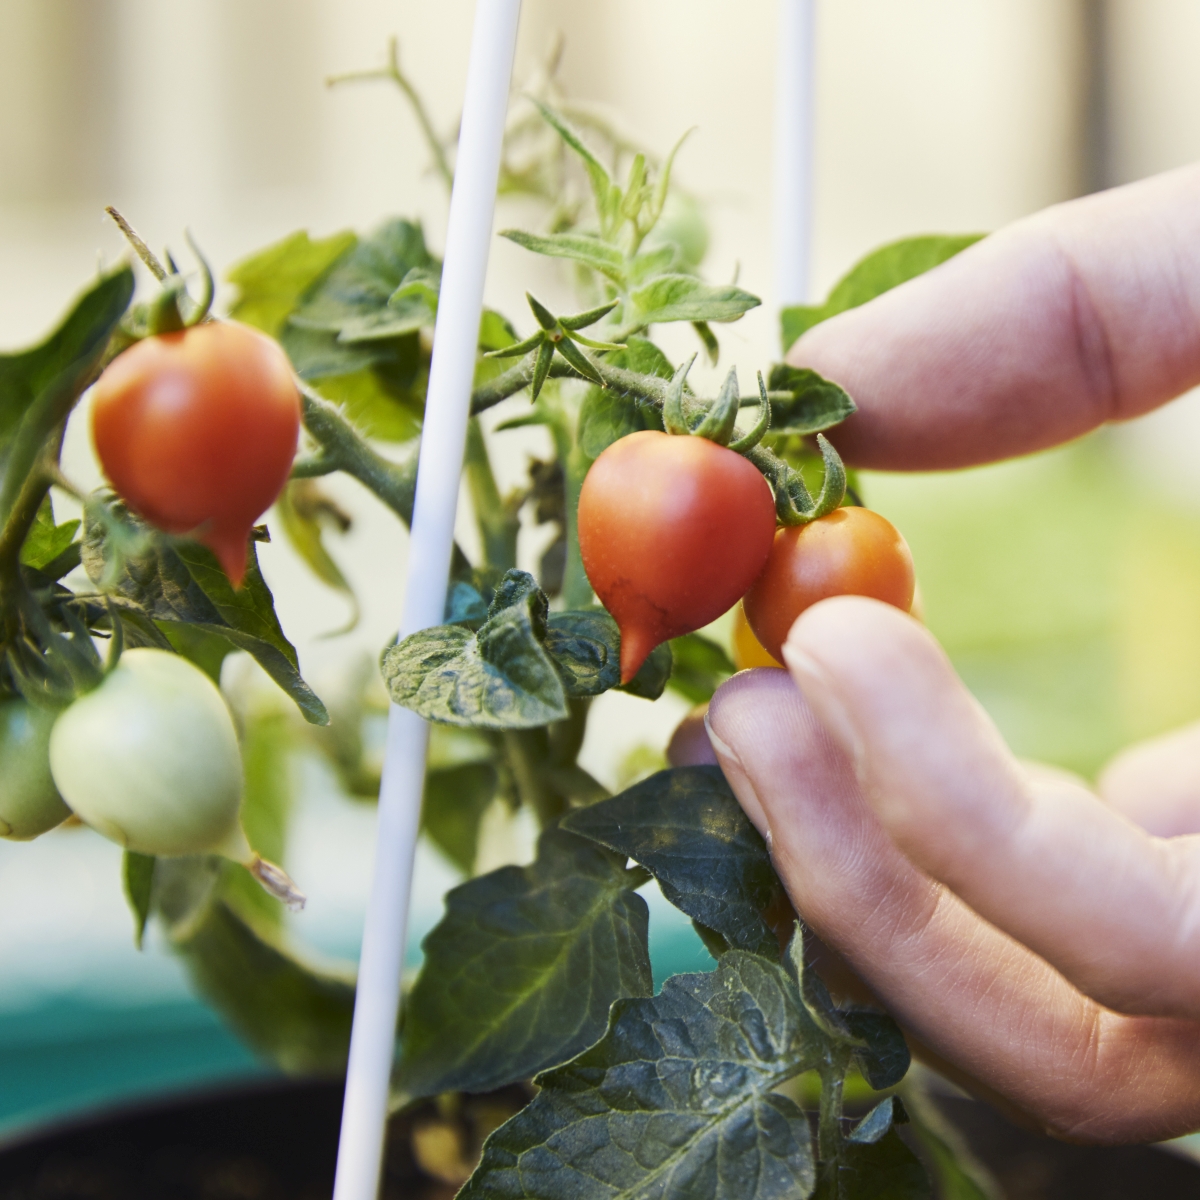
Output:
x,y
885,1059
520,973
455,801
590,251
879,272
40,386
182,581
675,1101
271,282
815,403
686,298
137,875
688,830
701,666
45,541
883,1170
470,597
500,677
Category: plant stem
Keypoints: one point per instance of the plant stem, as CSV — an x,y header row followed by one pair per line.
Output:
x,y
829,1128
525,749
343,448
393,74
498,522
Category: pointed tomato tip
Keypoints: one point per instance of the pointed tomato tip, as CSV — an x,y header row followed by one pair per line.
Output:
x,y
635,649
231,553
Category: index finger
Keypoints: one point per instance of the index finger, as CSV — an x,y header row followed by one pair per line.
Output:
x,y
1085,313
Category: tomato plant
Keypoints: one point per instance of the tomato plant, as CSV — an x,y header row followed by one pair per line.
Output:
x,y
850,552
197,430
650,496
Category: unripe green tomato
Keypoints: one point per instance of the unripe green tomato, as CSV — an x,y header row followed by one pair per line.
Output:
x,y
150,759
29,801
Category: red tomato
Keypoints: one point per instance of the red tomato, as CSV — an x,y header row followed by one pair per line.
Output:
x,y
851,552
197,431
672,530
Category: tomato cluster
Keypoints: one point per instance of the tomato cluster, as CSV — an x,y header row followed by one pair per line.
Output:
x,y
674,530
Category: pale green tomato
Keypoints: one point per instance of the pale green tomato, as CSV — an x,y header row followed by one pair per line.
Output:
x,y
29,801
150,759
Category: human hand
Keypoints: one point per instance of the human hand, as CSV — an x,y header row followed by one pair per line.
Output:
x,y
1029,937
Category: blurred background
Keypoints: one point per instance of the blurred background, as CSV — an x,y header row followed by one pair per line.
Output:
x,y
1069,605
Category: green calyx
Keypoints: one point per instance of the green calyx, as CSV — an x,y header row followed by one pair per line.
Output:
x,y
559,335
173,310
718,421
794,504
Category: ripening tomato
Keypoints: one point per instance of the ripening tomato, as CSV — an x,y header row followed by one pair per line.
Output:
x,y
747,649
150,759
29,801
197,431
673,530
851,552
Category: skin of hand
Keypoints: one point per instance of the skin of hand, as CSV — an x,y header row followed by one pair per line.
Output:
x,y
1038,941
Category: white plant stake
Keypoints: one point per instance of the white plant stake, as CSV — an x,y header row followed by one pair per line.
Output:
x,y
794,151
456,339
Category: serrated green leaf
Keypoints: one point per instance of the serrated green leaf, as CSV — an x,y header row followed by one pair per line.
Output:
x,y
676,1100
878,272
182,582
701,666
687,829
586,249
271,282
520,973
455,800
500,677
815,403
137,876
45,540
686,298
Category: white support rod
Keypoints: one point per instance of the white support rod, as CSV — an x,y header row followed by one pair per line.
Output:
x,y
447,408
794,103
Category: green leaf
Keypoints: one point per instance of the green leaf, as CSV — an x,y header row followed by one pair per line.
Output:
x,y
271,282
686,298
687,829
520,973
651,680
137,875
879,272
605,193
268,744
292,1012
374,407
958,1174
303,516
40,386
675,1101
607,415
182,582
701,666
500,677
455,800
45,540
363,280
815,403
583,248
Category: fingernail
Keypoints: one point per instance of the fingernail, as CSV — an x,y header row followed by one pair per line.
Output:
x,y
819,691
735,773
